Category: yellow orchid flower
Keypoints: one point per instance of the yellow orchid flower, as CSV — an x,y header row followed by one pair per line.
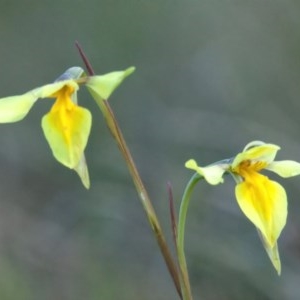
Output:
x,y
263,201
67,126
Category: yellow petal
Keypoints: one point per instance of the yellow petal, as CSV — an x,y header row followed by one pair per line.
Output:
x,y
15,108
264,203
272,252
103,86
285,168
212,174
50,90
82,171
67,127
264,153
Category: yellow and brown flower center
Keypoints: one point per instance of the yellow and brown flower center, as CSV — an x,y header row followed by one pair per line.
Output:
x,y
248,168
63,109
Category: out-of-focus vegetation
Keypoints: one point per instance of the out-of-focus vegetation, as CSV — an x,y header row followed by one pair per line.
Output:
x,y
211,76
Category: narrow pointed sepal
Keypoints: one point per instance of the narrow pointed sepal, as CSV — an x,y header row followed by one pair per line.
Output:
x,y
67,131
103,86
83,172
272,252
15,108
285,168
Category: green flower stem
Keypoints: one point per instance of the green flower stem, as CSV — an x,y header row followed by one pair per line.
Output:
x,y
143,195
185,283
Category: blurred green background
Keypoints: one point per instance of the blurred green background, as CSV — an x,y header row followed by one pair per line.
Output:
x,y
211,76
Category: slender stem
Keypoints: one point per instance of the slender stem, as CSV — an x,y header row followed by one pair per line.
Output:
x,y
143,195
84,58
172,214
186,288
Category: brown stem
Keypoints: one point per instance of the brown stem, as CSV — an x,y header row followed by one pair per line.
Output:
x,y
143,195
172,214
